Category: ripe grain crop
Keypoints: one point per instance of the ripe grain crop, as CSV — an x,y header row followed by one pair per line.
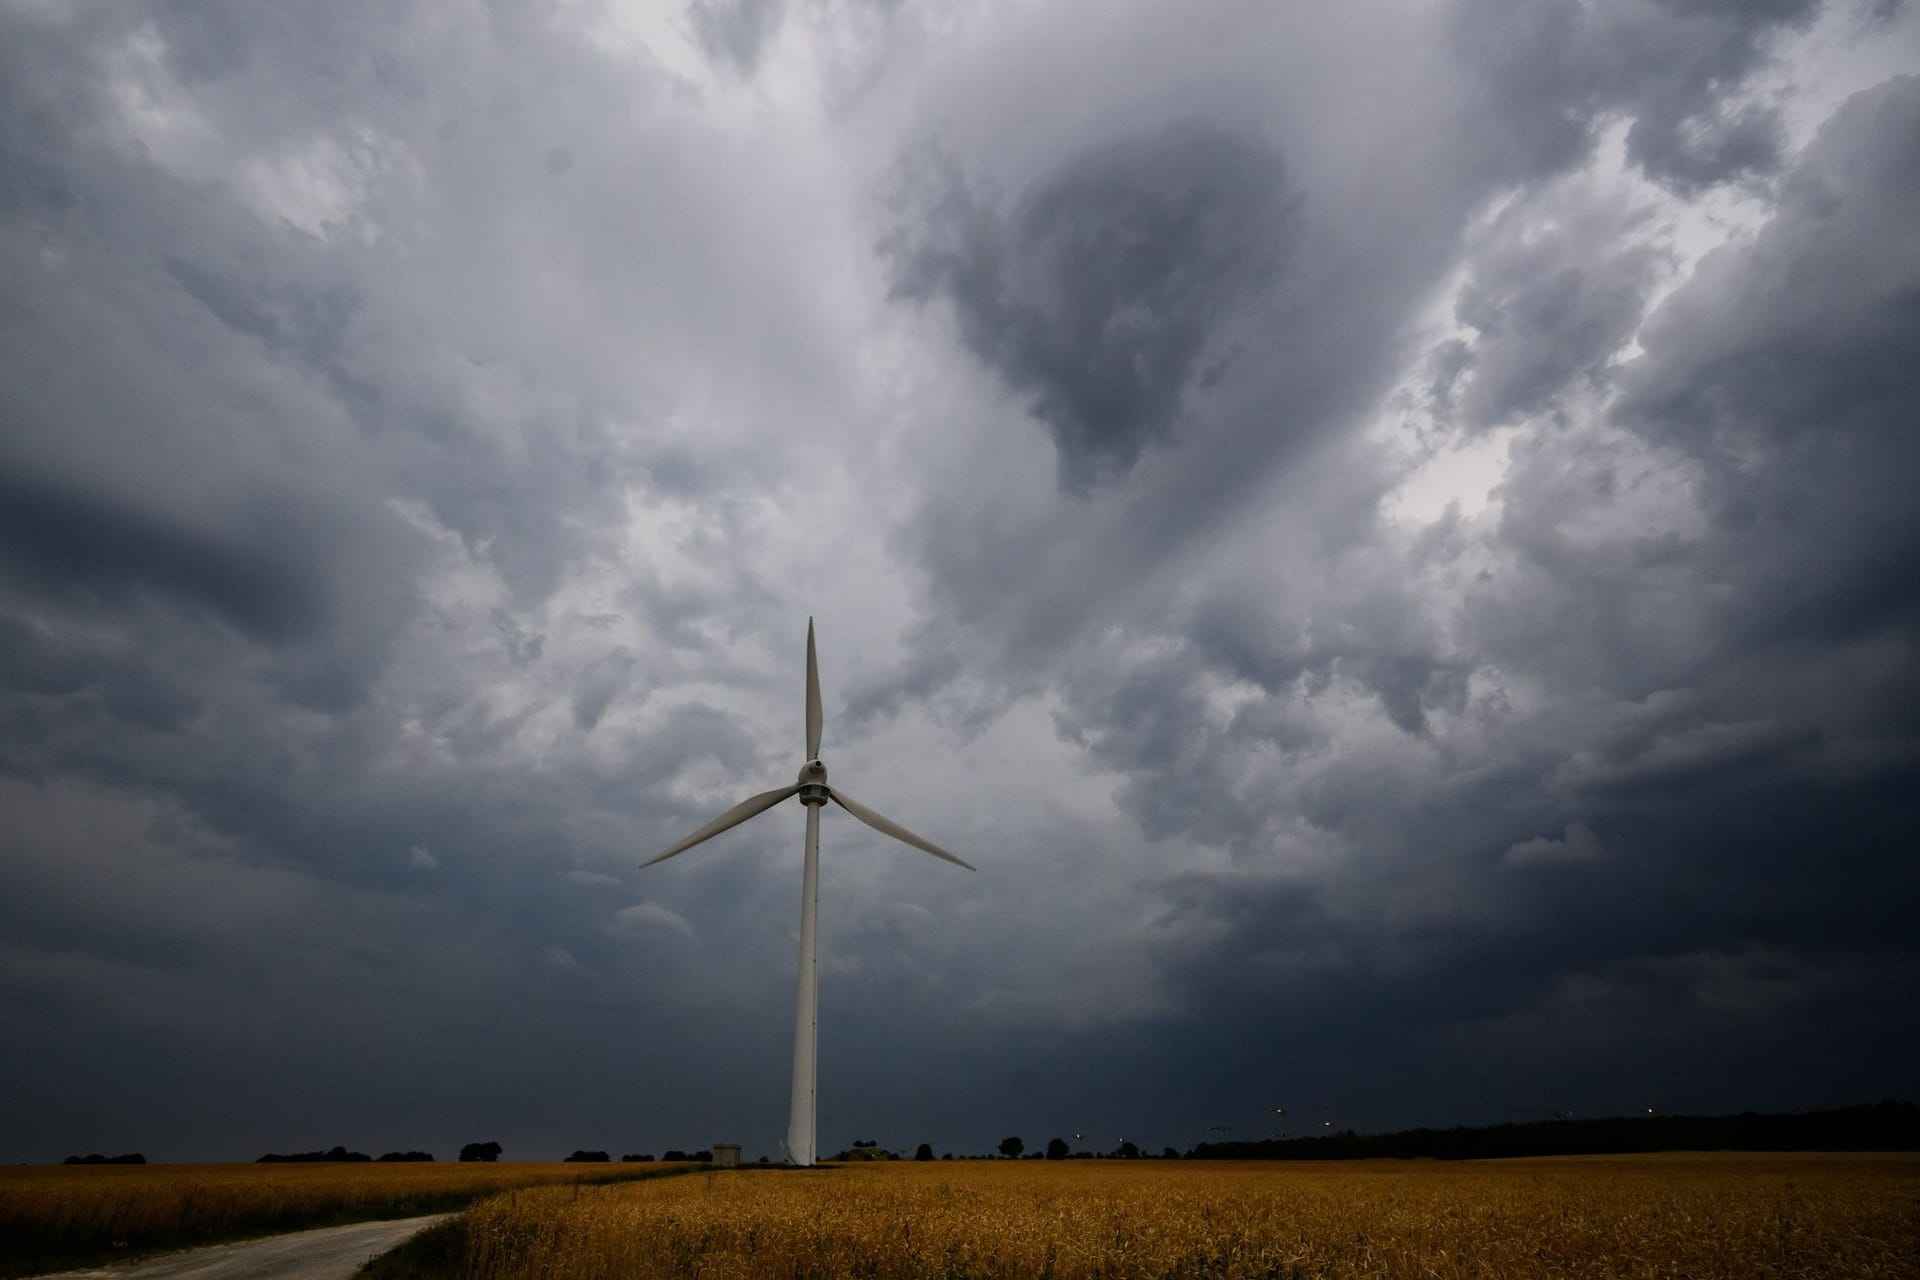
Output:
x,y
1703,1217
58,1215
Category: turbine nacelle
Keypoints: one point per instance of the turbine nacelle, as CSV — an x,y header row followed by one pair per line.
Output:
x,y
813,783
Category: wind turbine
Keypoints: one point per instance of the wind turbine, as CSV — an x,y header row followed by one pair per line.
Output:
x,y
813,791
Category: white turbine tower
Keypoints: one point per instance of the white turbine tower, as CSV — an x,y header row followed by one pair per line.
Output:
x,y
813,792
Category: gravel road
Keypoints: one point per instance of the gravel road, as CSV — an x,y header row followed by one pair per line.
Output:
x,y
328,1253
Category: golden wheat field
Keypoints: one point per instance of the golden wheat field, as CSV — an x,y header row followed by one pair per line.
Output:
x,y
52,1213
1696,1216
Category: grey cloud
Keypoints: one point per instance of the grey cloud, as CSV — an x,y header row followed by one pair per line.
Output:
x,y
306,323
736,30
1262,439
1725,732
1802,331
385,491
1631,768
599,684
1709,147
131,603
73,544
931,667
1106,295
1362,624
1744,1006
1577,843
523,645
1787,369
1555,288
1555,72
1693,755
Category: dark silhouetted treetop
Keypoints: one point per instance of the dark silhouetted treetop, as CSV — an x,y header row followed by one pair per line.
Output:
x,y
1883,1126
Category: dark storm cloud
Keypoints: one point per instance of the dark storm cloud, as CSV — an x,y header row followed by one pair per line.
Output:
x,y
403,533
1626,783
1107,292
1788,369
1755,783
223,435
1429,931
1556,72
75,544
1781,374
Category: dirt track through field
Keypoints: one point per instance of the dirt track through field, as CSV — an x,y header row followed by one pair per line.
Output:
x,y
327,1253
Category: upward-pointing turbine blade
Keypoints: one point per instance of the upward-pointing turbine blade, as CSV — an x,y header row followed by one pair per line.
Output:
x,y
731,818
889,827
814,716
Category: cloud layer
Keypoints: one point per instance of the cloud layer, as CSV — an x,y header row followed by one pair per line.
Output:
x,y
1384,535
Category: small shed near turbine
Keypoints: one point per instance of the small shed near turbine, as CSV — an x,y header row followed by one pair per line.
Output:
x,y
726,1155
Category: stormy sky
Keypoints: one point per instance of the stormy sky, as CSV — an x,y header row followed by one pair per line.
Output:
x,y
1387,533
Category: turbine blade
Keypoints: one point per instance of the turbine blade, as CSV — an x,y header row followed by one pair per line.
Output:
x,y
814,716
731,818
889,827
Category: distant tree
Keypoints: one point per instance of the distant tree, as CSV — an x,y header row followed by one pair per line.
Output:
x,y
407,1157
486,1151
701,1157
1168,1153
925,1151
637,1159
864,1154
1011,1148
132,1157
676,1157
1128,1151
586,1157
1056,1149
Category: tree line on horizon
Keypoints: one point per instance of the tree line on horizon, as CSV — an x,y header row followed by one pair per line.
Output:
x,y
1887,1125
1010,1148
340,1155
1880,1126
